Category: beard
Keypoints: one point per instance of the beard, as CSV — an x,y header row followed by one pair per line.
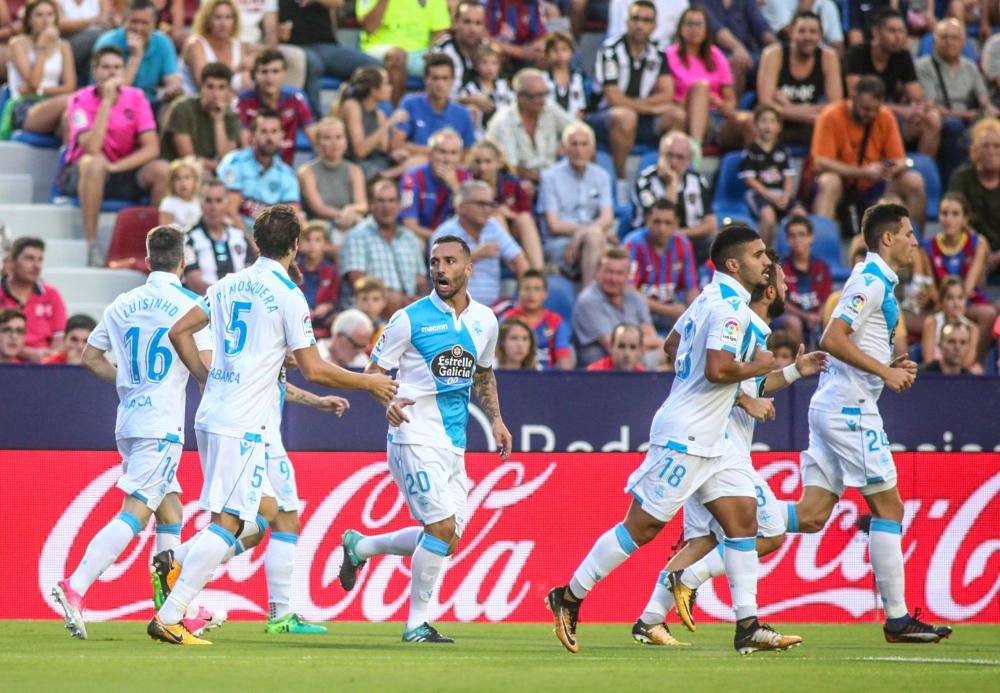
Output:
x,y
776,308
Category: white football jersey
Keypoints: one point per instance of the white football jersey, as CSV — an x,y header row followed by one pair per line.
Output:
x,y
741,425
151,380
869,306
275,445
437,354
257,315
694,416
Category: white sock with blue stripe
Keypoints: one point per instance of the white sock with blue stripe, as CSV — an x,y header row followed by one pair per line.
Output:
x,y
660,602
740,558
400,543
428,558
204,556
791,514
707,567
279,563
103,550
168,536
885,547
609,552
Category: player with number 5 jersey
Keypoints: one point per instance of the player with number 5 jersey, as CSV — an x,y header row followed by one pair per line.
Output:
x,y
257,316
152,385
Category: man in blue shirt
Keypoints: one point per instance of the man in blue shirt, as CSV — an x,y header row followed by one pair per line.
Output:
x,y
487,240
255,176
150,58
434,109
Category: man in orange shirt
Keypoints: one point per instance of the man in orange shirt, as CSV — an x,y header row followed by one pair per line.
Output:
x,y
859,155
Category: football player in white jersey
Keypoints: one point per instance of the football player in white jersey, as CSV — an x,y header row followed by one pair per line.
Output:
x,y
257,315
443,346
152,385
697,562
688,445
848,447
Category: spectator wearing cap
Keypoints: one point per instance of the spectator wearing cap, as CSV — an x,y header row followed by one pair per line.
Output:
x,y
41,304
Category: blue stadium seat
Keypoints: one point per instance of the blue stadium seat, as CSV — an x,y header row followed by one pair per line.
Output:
x,y
302,143
826,245
36,140
329,83
968,50
927,168
748,100
622,208
562,295
729,198
649,159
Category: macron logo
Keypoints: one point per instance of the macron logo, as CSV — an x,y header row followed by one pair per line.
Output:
x,y
433,328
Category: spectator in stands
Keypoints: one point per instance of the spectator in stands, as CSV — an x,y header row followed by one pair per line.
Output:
x,y
668,12
332,187
78,328
809,280
400,33
703,85
150,57
606,303
626,350
370,299
888,59
42,306
955,84
171,19
112,147
766,168
637,90
862,16
784,348
320,279
39,92
743,35
798,77
580,11
529,131
460,44
990,62
552,333
204,125
979,181
955,347
369,130
487,240
255,176
215,39
781,15
269,93
516,348
575,201
214,247
488,91
663,268
182,204
382,247
517,26
349,338
673,178
12,331
858,153
427,190
958,251
433,110
486,163
952,309
259,31
81,24
567,85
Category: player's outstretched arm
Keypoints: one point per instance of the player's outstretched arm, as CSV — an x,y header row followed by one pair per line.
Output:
x,y
330,403
182,338
805,365
484,386
721,366
836,341
95,362
381,387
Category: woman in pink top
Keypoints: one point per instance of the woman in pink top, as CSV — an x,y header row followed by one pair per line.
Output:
x,y
703,85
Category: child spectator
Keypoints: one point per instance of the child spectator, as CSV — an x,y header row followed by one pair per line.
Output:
x,y
183,205
809,281
952,310
78,328
370,299
516,346
766,168
552,333
320,279
784,348
13,328
488,91
567,87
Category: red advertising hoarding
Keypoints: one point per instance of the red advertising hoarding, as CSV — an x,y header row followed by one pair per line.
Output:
x,y
532,521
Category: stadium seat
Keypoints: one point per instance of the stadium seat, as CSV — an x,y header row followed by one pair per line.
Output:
x,y
748,101
826,245
128,240
928,170
927,47
35,139
729,200
648,159
331,83
562,295
302,143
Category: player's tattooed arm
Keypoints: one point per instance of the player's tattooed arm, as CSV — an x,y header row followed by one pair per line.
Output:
x,y
484,385
330,403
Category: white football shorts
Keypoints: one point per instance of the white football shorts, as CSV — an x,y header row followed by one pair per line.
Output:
x,y
432,480
848,450
235,472
149,468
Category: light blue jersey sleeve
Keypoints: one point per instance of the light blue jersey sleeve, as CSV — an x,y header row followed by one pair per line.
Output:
x,y
393,341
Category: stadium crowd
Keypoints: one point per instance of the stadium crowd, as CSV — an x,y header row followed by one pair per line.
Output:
x,y
477,119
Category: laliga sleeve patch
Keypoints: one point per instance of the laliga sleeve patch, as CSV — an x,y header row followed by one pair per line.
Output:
x,y
731,333
854,305
307,326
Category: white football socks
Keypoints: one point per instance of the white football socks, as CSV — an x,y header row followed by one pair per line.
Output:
x,y
609,552
707,567
400,543
740,558
204,556
885,547
279,563
168,536
103,550
660,602
428,558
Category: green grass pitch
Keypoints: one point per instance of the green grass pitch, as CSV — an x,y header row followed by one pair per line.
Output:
x,y
40,656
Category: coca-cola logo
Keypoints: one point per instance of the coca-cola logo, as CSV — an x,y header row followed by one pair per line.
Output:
x,y
453,366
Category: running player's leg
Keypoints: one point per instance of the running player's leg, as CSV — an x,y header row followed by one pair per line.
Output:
x,y
169,517
830,436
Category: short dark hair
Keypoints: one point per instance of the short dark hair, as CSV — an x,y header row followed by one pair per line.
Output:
x,y
8,314
95,59
762,108
782,338
534,274
165,247
212,183
614,253
879,219
772,276
23,243
557,37
270,55
140,5
80,321
648,4
871,85
433,60
264,114
730,238
806,14
662,204
216,71
454,239
884,15
799,220
275,230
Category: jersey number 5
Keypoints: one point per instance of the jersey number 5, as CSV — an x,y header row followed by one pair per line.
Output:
x,y
236,330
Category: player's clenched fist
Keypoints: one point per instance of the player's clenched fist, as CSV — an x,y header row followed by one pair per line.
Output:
x,y
382,388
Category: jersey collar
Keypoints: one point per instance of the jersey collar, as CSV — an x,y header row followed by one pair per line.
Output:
x,y
164,277
444,307
727,281
876,259
267,263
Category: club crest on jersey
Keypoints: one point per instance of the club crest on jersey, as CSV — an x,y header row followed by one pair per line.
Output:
x,y
453,366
